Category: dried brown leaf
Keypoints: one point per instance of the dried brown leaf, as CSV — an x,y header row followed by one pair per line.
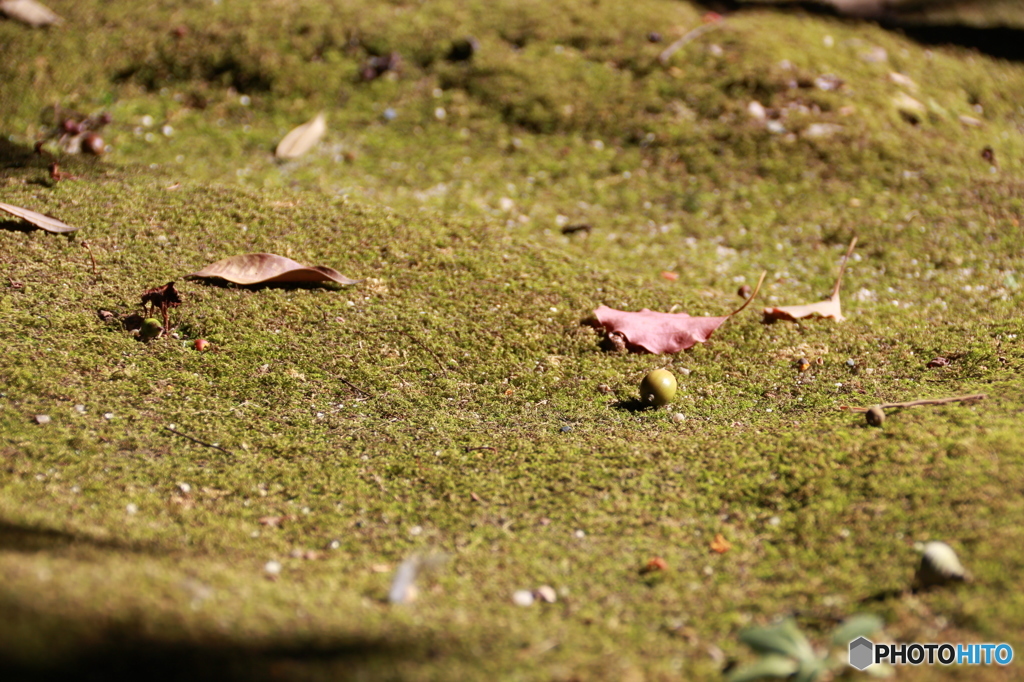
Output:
x,y
829,308
657,333
301,139
41,221
162,297
268,268
29,12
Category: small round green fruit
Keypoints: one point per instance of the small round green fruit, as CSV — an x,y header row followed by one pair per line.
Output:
x,y
151,329
658,388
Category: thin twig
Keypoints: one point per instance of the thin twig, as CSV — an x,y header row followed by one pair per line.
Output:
x,y
751,297
842,268
667,53
426,348
353,386
196,440
482,447
88,247
915,403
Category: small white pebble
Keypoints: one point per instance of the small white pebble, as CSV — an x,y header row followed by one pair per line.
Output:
x,y
828,41
42,419
185,488
245,100
679,417
334,544
522,598
167,131
272,567
774,521
254,534
685,372
132,509
147,120
580,534
108,416
440,114
416,530
80,409
547,593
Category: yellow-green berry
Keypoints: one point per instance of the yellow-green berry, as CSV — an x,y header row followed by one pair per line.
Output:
x,y
151,329
658,388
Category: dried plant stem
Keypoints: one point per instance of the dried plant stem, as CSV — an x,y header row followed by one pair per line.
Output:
x,y
916,403
842,268
752,296
88,247
692,35
196,440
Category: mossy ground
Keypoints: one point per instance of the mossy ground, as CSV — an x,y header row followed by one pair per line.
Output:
x,y
423,410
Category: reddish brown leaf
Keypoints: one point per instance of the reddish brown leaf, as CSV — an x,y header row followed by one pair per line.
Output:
x,y
938,362
829,308
41,221
657,333
720,545
267,268
162,297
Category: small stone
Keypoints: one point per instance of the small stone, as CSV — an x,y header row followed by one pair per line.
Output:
x,y
875,416
546,593
876,55
522,598
185,488
132,509
679,417
775,127
272,567
851,363
902,81
42,419
564,429
390,114
334,544
108,415
939,565
80,409
756,111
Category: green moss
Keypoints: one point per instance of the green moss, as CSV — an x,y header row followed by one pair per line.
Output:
x,y
422,411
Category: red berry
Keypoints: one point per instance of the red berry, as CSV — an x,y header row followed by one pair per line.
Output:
x,y
201,344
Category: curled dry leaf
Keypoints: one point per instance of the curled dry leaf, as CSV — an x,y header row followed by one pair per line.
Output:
x,y
41,221
830,307
29,12
301,139
657,333
720,545
268,268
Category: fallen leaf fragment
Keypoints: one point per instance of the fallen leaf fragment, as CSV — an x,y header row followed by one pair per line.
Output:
x,y
268,268
658,333
43,222
29,12
654,565
829,308
301,139
938,362
720,545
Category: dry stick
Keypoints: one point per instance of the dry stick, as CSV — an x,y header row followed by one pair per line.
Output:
x,y
842,268
88,248
751,298
426,348
196,440
353,386
667,53
915,403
